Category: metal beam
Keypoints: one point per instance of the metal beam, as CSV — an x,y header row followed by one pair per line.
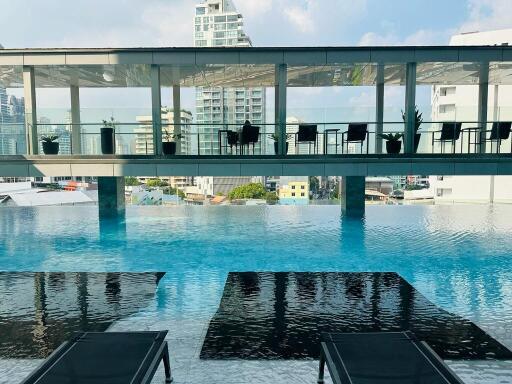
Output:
x,y
156,107
410,106
483,101
29,86
280,106
379,108
76,129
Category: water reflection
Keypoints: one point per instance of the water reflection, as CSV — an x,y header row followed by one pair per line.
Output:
x,y
282,315
38,311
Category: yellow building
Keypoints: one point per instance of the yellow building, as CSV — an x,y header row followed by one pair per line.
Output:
x,y
294,190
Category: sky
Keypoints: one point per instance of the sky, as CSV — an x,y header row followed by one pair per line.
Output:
x,y
134,23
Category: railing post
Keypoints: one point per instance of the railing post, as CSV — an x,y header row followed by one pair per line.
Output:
x,y
280,106
379,108
176,106
29,85
76,129
156,106
410,107
483,100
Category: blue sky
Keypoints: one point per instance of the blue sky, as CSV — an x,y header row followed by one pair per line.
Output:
x,y
100,23
129,23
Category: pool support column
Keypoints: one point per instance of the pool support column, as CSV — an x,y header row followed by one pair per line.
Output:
x,y
111,199
352,196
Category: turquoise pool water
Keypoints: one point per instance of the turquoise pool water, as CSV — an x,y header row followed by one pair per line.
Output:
x,y
458,256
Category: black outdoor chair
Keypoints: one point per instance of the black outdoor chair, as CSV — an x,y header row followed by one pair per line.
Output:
x,y
356,133
307,134
500,131
250,135
232,137
450,133
105,357
382,357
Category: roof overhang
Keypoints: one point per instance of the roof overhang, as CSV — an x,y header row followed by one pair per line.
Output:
x,y
247,67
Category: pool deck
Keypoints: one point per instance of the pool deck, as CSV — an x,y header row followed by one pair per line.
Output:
x,y
185,339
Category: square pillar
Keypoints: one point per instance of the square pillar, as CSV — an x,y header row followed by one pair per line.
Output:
x,y
111,199
379,108
76,129
410,107
483,101
176,106
156,106
352,196
29,85
280,106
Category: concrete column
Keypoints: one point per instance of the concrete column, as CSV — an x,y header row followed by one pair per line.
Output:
x,y
280,105
111,200
483,100
29,85
410,106
352,195
176,106
156,104
379,108
76,134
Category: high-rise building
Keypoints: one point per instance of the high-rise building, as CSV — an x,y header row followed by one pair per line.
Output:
x,y
217,23
459,103
144,132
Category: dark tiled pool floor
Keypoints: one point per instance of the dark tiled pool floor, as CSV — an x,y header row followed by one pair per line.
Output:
x,y
268,315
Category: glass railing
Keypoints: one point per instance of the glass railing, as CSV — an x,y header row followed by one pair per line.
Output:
x,y
13,139
220,139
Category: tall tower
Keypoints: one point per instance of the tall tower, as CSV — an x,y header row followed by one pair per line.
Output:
x,y
218,24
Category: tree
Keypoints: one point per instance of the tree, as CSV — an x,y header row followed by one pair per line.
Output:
x,y
248,191
271,197
153,183
131,181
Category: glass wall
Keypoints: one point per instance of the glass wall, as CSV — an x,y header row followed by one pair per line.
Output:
x,y
12,111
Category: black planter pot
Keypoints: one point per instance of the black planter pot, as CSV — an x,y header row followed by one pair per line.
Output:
x,y
393,146
107,141
50,148
417,138
169,148
276,147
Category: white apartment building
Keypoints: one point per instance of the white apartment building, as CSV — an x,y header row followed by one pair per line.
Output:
x,y
217,23
144,132
459,103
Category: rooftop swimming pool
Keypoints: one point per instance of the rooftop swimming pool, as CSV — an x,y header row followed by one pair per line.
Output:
x,y
459,257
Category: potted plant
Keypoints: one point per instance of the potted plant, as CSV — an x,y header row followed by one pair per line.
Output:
x,y
393,142
169,145
275,137
107,136
50,146
418,120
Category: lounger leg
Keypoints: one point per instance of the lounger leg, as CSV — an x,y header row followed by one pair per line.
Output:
x,y
321,369
167,365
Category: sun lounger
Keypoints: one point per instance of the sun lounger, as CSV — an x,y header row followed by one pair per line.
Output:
x,y
381,357
105,357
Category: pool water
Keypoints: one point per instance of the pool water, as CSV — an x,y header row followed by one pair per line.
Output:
x,y
458,256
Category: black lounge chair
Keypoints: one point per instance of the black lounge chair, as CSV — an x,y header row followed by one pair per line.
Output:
x,y
356,133
382,357
250,135
500,131
450,133
105,357
307,134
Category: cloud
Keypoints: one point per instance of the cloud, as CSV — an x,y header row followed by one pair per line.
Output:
x,y
301,17
420,37
488,15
